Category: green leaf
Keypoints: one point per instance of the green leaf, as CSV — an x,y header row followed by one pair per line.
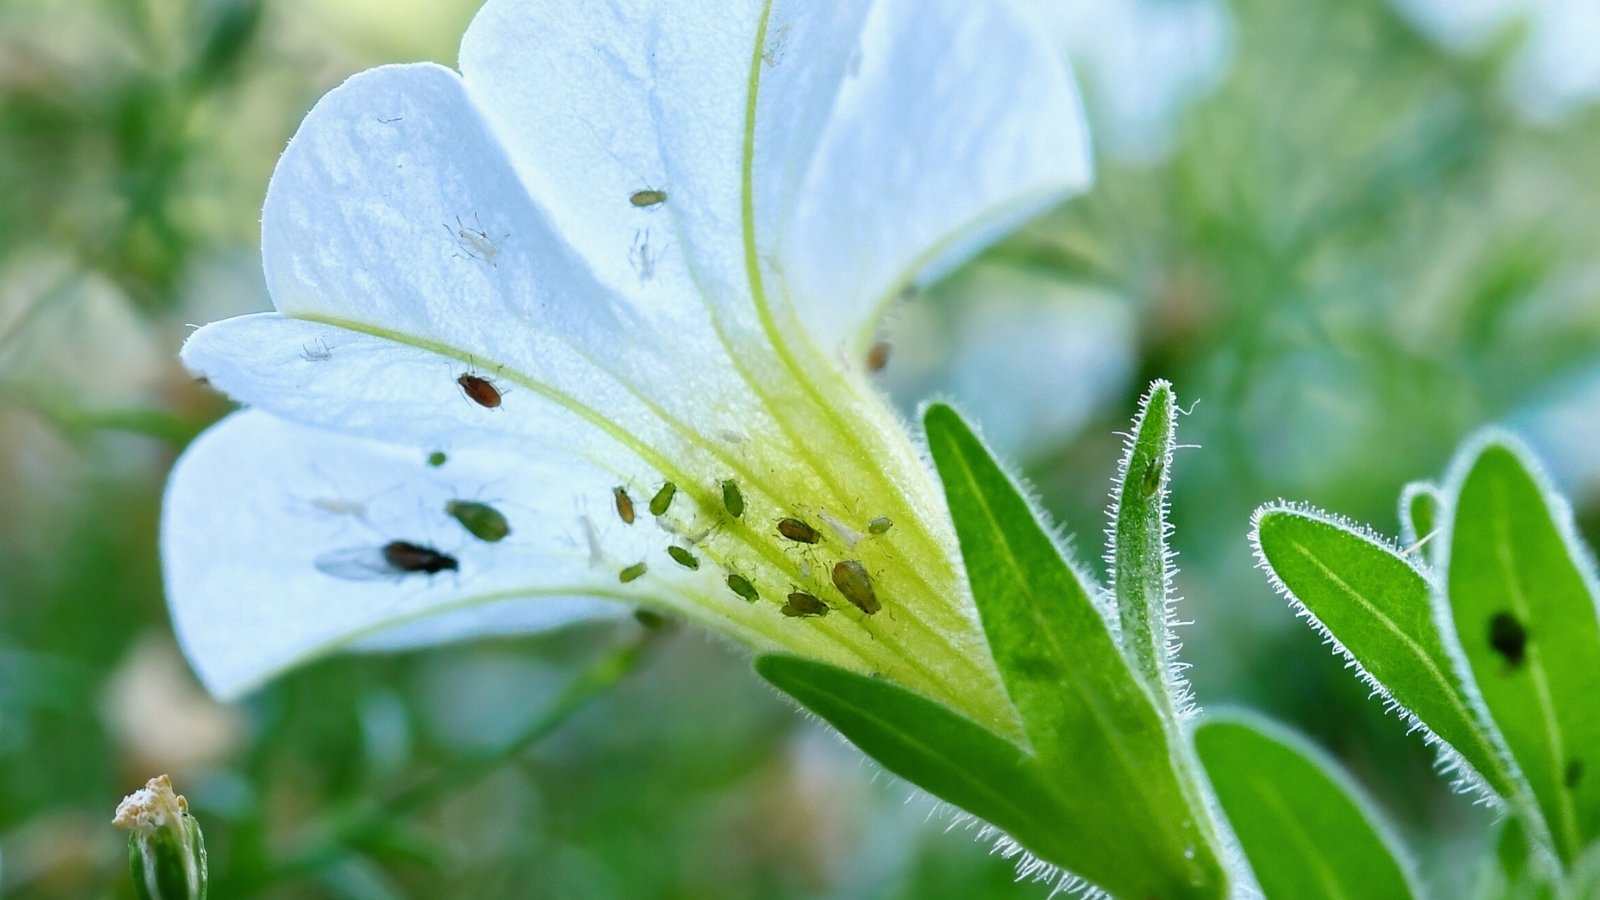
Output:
x,y
1377,607
1523,603
1306,830
1421,514
944,753
1139,558
1137,829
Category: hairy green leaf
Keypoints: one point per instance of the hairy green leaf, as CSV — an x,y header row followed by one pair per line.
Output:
x,y
1378,608
1523,604
1139,557
1306,830
944,753
1421,513
1091,721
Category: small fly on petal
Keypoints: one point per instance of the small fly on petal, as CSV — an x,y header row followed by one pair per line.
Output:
x,y
853,582
801,604
480,390
624,503
683,557
741,585
393,560
481,520
662,501
797,531
408,557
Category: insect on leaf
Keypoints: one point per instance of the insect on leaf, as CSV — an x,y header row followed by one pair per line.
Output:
x,y
1522,598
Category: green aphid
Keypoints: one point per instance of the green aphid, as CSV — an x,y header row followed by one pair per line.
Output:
x,y
741,585
648,197
802,604
798,531
1152,476
880,525
483,521
651,620
632,573
732,498
852,580
663,499
683,557
624,503
437,458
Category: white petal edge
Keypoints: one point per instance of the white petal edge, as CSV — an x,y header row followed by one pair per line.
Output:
x,y
959,122
256,501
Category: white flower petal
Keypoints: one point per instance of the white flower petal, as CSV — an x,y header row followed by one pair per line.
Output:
x,y
256,504
394,214
958,121
889,137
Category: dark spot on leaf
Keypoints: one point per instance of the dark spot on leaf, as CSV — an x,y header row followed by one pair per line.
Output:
x,y
1574,773
1508,638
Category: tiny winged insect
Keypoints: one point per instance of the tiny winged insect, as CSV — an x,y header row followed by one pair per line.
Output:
x,y
480,390
802,605
481,520
395,559
853,582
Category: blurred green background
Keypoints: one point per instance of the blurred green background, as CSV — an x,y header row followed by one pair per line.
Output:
x,y
1350,245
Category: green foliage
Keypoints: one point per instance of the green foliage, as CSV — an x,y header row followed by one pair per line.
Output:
x,y
951,757
1304,827
1496,653
1375,604
1522,599
1139,553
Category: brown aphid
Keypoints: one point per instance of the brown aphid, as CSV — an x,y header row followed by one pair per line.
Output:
x,y
798,531
479,390
853,582
878,356
802,605
408,557
619,494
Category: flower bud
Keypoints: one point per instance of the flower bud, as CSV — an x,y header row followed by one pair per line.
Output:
x,y
166,852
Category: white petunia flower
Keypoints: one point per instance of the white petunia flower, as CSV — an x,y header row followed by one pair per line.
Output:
x,y
631,244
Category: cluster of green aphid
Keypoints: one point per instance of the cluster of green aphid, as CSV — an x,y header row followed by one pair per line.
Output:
x,y
850,578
